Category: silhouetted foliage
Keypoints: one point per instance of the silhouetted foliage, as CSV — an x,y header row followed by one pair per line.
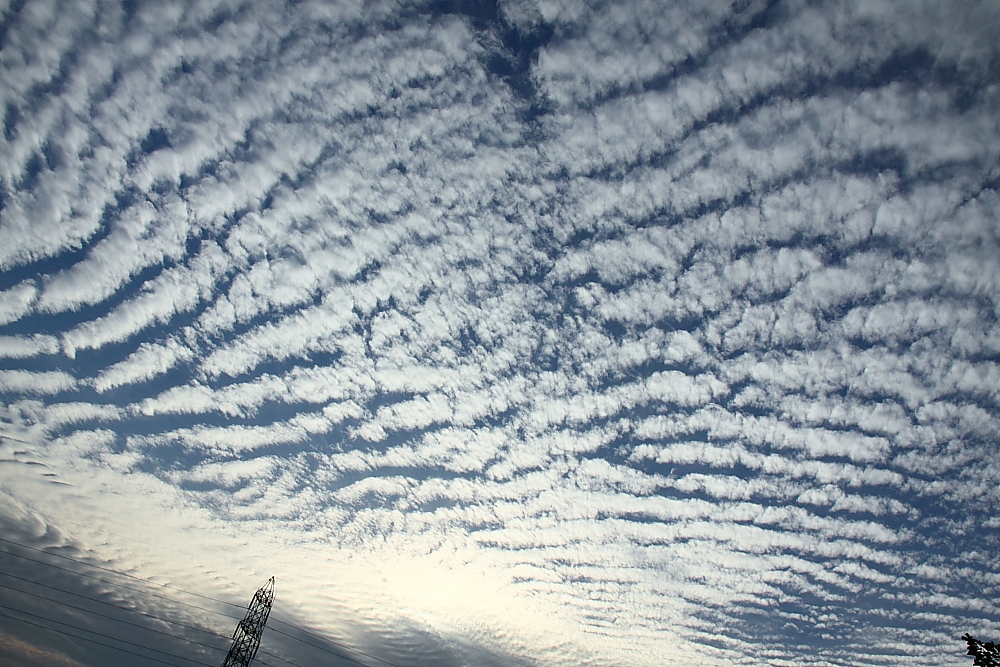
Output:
x,y
987,654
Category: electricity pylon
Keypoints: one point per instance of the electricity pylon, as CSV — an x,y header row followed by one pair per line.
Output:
x,y
985,654
246,636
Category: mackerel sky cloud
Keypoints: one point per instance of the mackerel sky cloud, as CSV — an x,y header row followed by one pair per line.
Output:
x,y
509,332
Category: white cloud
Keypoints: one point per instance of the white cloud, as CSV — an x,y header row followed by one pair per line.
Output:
x,y
144,235
17,301
317,328
175,291
20,347
690,325
44,382
144,364
229,440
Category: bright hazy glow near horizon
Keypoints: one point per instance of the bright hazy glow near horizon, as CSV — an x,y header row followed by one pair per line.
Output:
x,y
502,332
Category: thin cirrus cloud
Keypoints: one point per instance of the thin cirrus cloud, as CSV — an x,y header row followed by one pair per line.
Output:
x,y
516,332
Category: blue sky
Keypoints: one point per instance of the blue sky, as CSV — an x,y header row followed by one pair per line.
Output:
x,y
522,332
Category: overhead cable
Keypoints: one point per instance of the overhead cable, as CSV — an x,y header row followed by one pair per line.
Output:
x,y
110,604
326,640
120,585
100,634
125,609
194,606
119,620
147,581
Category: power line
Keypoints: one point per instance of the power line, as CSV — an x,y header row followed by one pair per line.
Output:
x,y
125,609
87,639
119,620
146,581
99,634
81,562
194,606
329,641
275,656
110,604
325,639
115,583
321,648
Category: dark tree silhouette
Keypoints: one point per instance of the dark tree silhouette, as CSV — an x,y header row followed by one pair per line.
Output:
x,y
986,654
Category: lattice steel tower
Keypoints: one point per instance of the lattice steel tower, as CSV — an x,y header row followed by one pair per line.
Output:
x,y
246,636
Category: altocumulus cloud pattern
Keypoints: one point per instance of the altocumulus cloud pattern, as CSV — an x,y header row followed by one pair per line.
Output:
x,y
522,332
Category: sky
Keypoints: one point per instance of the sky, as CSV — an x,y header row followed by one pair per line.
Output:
x,y
502,332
